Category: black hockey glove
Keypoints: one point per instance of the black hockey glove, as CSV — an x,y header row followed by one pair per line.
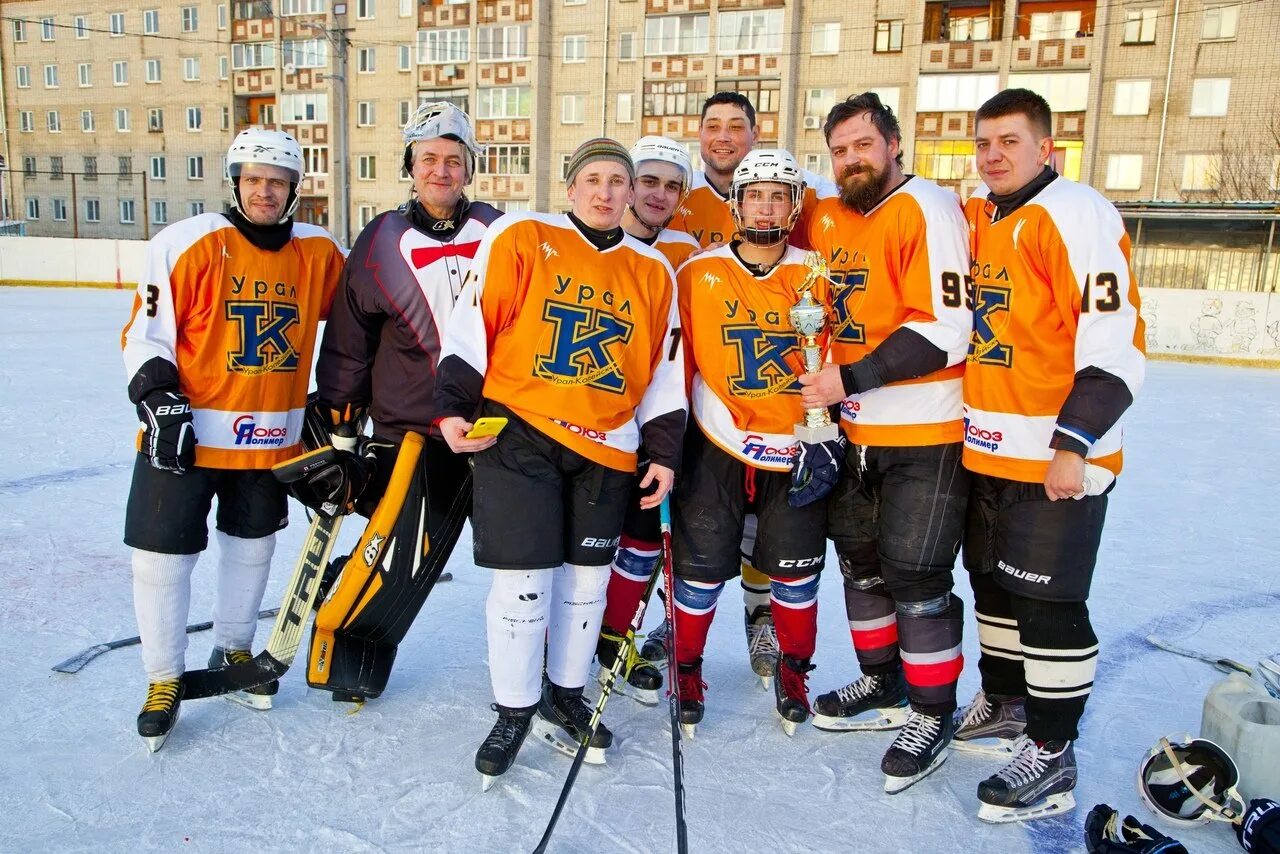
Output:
x,y
1259,830
815,470
1105,833
168,435
329,481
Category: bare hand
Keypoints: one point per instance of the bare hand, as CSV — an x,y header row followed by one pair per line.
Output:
x,y
825,388
1065,477
455,429
661,475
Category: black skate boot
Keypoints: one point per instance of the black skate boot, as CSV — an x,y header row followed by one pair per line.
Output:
x,y
259,696
873,702
564,722
791,691
639,680
1036,783
160,712
762,643
990,724
918,750
498,752
656,644
691,687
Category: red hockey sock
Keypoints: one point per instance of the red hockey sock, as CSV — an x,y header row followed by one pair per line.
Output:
x,y
795,615
695,608
632,566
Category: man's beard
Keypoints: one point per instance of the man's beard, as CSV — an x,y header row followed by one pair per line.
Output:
x,y
863,195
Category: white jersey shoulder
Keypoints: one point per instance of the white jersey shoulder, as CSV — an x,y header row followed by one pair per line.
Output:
x,y
793,255
184,234
821,185
671,235
641,248
928,194
980,192
305,230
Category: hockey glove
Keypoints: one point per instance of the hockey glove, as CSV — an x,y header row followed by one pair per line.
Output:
x,y
168,435
1259,830
329,481
1105,833
815,470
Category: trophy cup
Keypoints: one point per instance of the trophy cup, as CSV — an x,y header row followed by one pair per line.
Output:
x,y
808,319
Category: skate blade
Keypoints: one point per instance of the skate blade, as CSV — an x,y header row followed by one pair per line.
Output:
x,y
883,719
688,731
766,682
155,742
1001,747
1049,807
487,781
789,727
894,785
626,689
553,736
257,702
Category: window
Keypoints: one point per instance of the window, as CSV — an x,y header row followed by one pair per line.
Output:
x,y
155,120
126,212
888,37
191,68
195,118
308,53
408,8
26,121
503,102
574,49
1275,172
307,108
1201,171
945,160
626,47
460,98
51,77
364,9
33,208
364,214
575,2
222,16
153,70
505,160
1209,96
506,42
59,210
302,7
158,169
91,168
405,107
764,95
28,167
364,113
676,34
151,21
573,109
626,108
1220,22
673,97
190,19
1133,98
367,167
85,72
195,167
19,30
970,28
92,210
818,103
442,46
53,121
116,24
1124,172
824,38
159,211
1067,92
124,166
46,29
1140,26
86,121
81,24
1054,25
755,31
195,208
404,55
889,96
367,60
122,119
315,159
223,70
22,75
226,118
120,72
939,92
246,55
819,164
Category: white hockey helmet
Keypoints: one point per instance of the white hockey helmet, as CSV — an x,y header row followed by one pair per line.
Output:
x,y
268,147
773,165
665,150
1189,781
436,119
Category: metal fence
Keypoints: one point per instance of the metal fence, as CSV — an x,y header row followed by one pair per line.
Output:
x,y
1206,247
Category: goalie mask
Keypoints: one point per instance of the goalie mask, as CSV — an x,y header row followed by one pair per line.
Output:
x,y
660,149
767,165
1190,781
441,119
268,148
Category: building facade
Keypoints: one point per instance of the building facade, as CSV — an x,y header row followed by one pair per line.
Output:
x,y
115,120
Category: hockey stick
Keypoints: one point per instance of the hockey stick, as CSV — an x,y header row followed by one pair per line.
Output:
x,y
76,663
605,690
1226,665
673,683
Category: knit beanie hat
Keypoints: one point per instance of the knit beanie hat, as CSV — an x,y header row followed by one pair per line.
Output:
x,y
600,148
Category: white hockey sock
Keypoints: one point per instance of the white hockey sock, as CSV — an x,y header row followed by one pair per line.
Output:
x,y
242,578
577,609
161,600
516,624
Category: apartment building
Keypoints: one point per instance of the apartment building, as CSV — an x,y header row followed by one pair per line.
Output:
x,y
1153,99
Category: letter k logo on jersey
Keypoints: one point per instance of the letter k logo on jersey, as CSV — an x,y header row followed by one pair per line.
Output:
x,y
990,319
263,345
580,347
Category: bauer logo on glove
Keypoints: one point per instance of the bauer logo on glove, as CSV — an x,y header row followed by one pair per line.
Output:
x,y
168,434
815,470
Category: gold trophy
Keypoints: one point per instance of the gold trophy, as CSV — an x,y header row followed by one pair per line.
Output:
x,y
808,319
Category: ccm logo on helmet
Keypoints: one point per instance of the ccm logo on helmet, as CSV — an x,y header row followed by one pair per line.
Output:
x,y
249,433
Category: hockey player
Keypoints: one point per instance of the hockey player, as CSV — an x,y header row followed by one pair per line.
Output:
x,y
1055,359
567,329
898,250
218,355
663,173
742,354
379,352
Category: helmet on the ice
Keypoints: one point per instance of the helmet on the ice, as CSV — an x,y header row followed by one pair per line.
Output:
x,y
1190,781
437,119
269,148
772,165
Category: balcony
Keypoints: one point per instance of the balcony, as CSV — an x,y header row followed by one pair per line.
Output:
x,y
675,67
444,76
447,15
504,74
1063,54
253,29
504,11
962,21
503,186
960,56
675,7
503,130
748,65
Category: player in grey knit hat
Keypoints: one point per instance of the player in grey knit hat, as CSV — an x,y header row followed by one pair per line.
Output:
x,y
600,148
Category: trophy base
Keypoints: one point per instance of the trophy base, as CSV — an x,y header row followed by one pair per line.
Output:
x,y
817,435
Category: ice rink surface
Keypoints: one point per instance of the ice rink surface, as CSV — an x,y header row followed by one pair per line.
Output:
x,y
1189,552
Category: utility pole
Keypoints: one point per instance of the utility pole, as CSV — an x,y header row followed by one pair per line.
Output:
x,y
336,35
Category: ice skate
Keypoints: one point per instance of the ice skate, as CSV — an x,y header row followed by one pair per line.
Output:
x,y
691,686
638,679
654,650
990,724
1036,783
875,702
790,691
919,749
498,752
159,713
762,643
257,697
563,721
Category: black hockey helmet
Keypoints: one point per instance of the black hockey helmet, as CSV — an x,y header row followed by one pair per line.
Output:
x,y
1190,781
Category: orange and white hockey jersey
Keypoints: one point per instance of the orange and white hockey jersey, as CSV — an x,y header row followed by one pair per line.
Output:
x,y
675,246
240,325
900,265
743,354
582,343
1057,351
705,213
